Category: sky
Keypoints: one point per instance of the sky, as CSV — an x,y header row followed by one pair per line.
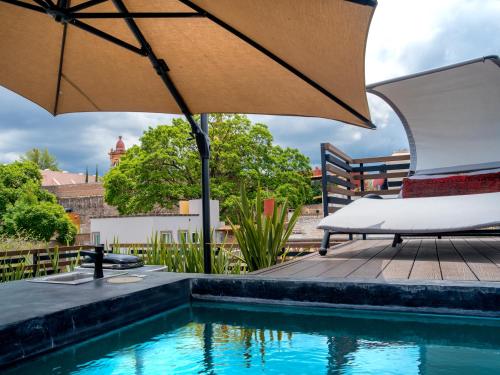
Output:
x,y
405,37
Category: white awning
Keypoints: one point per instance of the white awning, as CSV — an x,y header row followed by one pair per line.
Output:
x,y
451,115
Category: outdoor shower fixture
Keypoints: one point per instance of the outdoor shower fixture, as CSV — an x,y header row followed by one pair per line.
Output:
x,y
97,257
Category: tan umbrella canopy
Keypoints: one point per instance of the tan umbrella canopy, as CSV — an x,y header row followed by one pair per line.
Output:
x,y
286,57
293,57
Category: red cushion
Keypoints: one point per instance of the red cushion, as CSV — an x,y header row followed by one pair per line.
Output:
x,y
452,185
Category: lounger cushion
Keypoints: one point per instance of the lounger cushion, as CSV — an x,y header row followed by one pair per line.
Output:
x,y
416,215
451,185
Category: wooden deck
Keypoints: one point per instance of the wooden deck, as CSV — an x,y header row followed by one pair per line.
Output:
x,y
471,259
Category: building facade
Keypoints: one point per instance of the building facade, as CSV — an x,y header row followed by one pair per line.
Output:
x,y
82,196
137,229
83,201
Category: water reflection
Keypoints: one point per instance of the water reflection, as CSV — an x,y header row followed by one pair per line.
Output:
x,y
207,348
339,349
222,339
288,353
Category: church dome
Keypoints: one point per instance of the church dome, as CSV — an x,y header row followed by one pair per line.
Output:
x,y
120,146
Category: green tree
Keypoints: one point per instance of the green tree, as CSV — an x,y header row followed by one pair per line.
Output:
x,y
28,210
42,158
165,167
17,179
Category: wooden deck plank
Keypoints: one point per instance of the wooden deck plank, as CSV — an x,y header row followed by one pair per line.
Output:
x,y
288,263
487,250
335,259
377,264
426,266
299,269
401,266
453,266
482,267
346,268
428,259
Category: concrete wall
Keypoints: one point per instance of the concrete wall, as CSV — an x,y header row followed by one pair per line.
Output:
x,y
86,207
195,209
306,228
85,200
137,229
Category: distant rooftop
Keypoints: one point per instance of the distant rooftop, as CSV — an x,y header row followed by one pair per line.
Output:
x,y
56,178
92,189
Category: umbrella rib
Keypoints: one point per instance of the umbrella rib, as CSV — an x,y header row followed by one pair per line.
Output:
x,y
162,69
59,74
42,3
25,5
106,36
81,25
372,3
80,91
108,15
86,5
280,61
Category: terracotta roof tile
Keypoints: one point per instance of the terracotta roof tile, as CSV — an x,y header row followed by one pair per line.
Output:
x,y
77,190
56,178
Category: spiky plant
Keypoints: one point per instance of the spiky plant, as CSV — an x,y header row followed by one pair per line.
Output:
x,y
186,256
262,238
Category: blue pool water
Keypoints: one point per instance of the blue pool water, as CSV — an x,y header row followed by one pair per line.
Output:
x,y
208,338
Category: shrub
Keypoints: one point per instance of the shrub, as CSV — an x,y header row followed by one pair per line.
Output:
x,y
39,221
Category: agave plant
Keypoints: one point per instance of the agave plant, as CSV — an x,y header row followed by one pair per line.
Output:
x,y
54,259
262,238
74,262
186,256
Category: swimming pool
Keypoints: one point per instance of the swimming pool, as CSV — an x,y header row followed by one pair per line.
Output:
x,y
224,338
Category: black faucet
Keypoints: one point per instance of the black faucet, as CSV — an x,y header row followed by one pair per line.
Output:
x,y
97,257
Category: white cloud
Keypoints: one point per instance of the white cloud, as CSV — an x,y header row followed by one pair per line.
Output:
x,y
403,30
396,24
9,157
9,148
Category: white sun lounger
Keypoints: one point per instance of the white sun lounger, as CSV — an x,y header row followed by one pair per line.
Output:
x,y
450,115
455,213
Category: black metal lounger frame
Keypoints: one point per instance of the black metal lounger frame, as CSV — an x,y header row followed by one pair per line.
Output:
x,y
398,237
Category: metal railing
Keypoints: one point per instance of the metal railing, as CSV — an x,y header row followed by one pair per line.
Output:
x,y
343,178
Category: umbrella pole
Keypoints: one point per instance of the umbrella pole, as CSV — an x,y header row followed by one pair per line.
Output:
x,y
205,199
200,133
